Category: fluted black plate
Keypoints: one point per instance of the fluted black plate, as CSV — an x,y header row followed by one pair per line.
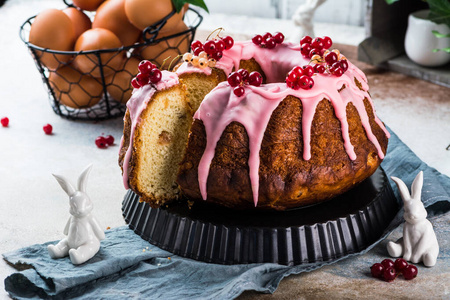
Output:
x,y
346,224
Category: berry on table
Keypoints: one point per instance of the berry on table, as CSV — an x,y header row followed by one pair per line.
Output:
x,y
387,263
377,270
48,129
4,121
410,272
101,142
400,264
109,140
389,274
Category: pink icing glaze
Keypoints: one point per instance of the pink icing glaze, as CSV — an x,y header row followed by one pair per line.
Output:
x,y
254,109
136,105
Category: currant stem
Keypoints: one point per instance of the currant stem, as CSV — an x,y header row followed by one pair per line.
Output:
x,y
218,29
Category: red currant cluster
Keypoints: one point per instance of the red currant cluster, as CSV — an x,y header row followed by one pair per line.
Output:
x,y
213,48
389,270
325,60
310,46
268,40
300,78
241,77
148,73
103,142
5,121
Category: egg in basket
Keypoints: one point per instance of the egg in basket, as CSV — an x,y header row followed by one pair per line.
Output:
x,y
88,52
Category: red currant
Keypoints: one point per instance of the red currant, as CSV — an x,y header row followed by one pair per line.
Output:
x,y
197,50
313,52
239,91
298,70
344,64
293,84
331,58
327,42
266,36
145,66
155,76
319,68
101,142
278,37
389,274
306,40
257,39
234,79
306,82
255,78
317,43
292,76
210,47
229,42
305,49
109,140
217,55
135,84
48,129
410,272
4,121
243,73
196,44
400,264
337,71
308,70
142,79
387,263
377,270
270,43
220,45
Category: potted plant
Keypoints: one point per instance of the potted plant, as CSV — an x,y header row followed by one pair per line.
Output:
x,y
427,40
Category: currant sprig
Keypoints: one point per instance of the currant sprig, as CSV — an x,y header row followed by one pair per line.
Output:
x,y
300,78
268,40
242,77
148,73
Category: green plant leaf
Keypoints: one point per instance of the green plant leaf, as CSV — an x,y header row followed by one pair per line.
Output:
x,y
443,49
440,35
391,1
439,11
178,4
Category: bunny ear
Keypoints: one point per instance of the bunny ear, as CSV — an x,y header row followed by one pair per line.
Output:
x,y
416,187
82,180
65,184
404,192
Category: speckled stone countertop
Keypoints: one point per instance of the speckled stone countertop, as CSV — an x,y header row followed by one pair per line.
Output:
x,y
34,209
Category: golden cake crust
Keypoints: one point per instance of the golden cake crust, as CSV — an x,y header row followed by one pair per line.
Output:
x,y
286,179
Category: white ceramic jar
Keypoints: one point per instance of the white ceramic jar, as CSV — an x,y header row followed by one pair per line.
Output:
x,y
420,41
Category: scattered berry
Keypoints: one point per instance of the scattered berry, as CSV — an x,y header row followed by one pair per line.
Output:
x,y
377,270
48,129
389,274
400,264
109,140
4,121
101,142
410,272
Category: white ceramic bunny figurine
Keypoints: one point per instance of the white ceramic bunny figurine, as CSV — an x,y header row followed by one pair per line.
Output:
x,y
419,242
82,229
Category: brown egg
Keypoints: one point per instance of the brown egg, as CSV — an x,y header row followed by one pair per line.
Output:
x,y
80,20
73,89
89,5
143,13
53,29
167,50
96,39
111,15
119,85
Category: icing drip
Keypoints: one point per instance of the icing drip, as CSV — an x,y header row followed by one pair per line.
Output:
x,y
254,109
136,105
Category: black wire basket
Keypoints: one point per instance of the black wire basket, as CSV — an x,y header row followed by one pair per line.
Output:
x,y
101,93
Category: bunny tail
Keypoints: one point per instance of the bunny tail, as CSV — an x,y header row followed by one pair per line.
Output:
x,y
404,192
416,187
65,184
82,180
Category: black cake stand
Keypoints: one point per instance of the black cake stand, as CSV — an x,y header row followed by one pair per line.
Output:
x,y
343,225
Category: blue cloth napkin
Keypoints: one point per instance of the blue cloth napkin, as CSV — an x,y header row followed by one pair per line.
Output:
x,y
128,267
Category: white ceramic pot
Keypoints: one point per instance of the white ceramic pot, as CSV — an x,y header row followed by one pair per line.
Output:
x,y
420,41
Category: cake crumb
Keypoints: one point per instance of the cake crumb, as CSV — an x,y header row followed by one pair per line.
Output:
x,y
169,258
108,228
159,265
143,250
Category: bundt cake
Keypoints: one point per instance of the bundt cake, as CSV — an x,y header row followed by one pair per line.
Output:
x,y
307,133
